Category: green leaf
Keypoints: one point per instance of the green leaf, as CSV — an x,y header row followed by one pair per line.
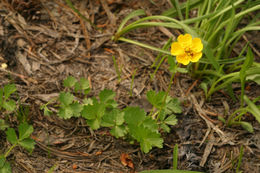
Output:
x,y
165,127
173,106
172,64
3,125
210,55
162,115
2,160
113,118
204,86
134,115
9,105
182,70
76,109
82,85
247,64
87,101
9,89
242,74
28,144
247,126
118,131
6,168
94,124
171,120
129,16
150,124
69,81
146,137
255,78
106,95
11,136
253,108
46,111
25,130
93,114
66,98
156,99
65,112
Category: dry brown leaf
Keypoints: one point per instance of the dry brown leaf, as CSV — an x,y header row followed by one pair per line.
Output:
x,y
126,160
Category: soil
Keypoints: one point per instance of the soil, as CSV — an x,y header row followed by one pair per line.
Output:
x,y
44,41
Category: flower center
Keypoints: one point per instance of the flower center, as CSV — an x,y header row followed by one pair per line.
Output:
x,y
188,52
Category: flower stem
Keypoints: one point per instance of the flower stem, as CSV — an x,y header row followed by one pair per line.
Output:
x,y
168,90
10,149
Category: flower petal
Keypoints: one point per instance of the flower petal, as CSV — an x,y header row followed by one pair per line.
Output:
x,y
185,40
176,49
183,59
196,57
197,46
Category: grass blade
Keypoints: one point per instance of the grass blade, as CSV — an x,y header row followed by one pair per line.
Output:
x,y
172,11
128,17
175,157
209,54
242,74
176,4
254,109
187,9
144,45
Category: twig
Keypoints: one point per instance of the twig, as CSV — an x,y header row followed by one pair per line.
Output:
x,y
251,45
26,79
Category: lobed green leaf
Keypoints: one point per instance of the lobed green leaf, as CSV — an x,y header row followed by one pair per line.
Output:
x,y
25,130
66,98
3,125
9,105
28,144
69,82
9,89
11,136
171,120
134,115
106,95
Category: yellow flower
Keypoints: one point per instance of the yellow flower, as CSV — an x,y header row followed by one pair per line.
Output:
x,y
187,49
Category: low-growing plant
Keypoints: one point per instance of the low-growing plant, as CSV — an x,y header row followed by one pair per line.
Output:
x,y
23,140
5,101
236,117
131,123
24,129
216,24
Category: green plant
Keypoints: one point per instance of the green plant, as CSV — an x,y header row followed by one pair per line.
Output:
x,y
236,116
23,140
240,159
131,123
216,24
24,129
248,69
5,101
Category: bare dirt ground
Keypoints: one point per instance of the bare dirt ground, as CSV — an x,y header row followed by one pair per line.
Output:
x,y
44,41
